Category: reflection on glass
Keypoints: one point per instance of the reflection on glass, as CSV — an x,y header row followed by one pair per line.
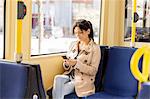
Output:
x,y
52,22
142,25
1,28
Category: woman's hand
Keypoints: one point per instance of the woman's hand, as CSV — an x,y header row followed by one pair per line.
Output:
x,y
65,63
70,62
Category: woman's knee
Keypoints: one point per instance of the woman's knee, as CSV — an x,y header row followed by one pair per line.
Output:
x,y
60,78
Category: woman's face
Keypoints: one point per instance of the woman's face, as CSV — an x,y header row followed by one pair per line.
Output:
x,y
81,34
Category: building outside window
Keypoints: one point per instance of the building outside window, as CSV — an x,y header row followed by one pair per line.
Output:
x,y
52,22
1,28
142,25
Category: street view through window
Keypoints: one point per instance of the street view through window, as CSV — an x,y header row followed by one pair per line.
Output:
x,y
142,25
52,22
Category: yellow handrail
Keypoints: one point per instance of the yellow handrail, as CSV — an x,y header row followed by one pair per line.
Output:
x,y
21,11
19,36
133,24
141,76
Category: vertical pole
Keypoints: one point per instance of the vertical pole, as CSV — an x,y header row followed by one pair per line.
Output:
x,y
18,38
21,12
18,43
133,24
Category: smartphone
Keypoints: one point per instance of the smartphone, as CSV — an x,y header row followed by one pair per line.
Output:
x,y
64,57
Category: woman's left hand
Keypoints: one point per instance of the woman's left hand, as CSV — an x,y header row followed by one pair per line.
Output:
x,y
72,62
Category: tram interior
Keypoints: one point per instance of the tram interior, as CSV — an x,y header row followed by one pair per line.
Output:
x,y
29,58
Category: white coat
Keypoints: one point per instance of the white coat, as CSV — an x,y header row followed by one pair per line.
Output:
x,y
86,67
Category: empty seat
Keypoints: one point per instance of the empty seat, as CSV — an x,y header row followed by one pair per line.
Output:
x,y
20,80
119,82
13,80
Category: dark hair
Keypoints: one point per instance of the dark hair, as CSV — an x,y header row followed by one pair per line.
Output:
x,y
84,25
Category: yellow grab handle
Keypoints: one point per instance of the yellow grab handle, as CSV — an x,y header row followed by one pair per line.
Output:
x,y
146,63
142,77
19,37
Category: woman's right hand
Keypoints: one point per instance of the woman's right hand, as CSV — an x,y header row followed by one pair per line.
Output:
x,y
66,64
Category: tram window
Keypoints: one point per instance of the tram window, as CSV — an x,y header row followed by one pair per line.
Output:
x,y
1,28
52,22
142,25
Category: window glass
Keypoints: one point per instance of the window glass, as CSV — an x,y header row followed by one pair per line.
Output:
x,y
52,22
142,25
1,28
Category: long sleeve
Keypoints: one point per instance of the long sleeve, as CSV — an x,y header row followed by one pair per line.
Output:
x,y
90,69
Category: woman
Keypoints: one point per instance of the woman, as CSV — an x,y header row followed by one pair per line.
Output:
x,y
81,66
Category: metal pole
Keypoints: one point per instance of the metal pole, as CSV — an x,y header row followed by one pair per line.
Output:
x,y
133,24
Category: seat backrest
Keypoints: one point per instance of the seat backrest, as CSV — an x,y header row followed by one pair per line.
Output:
x,y
35,83
118,77
13,80
20,80
100,72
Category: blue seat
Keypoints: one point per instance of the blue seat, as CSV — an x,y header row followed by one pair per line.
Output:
x,y
20,80
35,83
105,95
71,96
13,80
118,83
114,79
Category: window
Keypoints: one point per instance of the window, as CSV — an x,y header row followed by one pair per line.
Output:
x,y
52,22
142,25
1,28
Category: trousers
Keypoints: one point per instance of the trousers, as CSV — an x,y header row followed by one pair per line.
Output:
x,y
62,86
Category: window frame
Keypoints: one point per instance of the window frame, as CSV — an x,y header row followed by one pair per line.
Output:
x,y
4,27
63,52
4,23
140,20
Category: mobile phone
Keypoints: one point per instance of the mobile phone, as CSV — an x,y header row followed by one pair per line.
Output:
x,y
64,57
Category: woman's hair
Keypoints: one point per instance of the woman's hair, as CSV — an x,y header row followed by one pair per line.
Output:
x,y
84,25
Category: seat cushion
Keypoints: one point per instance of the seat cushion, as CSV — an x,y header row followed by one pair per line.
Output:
x,y
104,95
71,96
